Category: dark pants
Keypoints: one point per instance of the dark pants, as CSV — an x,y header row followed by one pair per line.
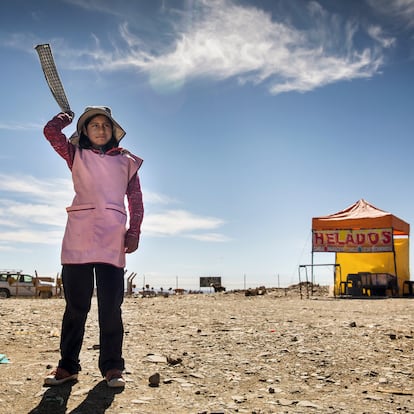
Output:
x,y
78,286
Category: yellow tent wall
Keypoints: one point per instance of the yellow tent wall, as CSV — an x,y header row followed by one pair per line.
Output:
x,y
376,263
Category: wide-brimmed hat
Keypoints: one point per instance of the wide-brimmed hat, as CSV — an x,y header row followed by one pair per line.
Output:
x,y
90,112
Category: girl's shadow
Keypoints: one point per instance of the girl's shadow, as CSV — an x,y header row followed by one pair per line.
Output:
x,y
54,400
98,400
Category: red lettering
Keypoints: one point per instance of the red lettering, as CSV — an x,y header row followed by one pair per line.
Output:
x,y
317,238
360,238
350,238
338,240
386,237
373,238
331,238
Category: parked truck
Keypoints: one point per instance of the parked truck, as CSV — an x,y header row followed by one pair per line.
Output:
x,y
16,283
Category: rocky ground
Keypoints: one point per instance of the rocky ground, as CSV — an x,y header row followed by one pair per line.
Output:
x,y
221,353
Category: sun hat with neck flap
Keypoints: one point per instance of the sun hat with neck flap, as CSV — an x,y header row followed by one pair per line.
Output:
x,y
90,112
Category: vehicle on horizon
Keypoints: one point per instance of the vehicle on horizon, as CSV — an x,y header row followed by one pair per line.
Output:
x,y
17,283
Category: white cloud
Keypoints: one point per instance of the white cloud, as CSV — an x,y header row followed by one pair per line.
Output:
x,y
21,127
22,212
29,236
156,198
229,40
33,210
178,222
100,6
377,33
53,191
209,237
402,10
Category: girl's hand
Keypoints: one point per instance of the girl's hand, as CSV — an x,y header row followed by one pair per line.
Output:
x,y
66,117
70,114
131,243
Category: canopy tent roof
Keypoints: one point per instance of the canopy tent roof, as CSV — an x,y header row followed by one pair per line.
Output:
x,y
361,215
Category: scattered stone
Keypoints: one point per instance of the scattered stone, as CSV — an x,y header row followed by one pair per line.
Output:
x,y
197,375
82,391
156,358
372,397
273,390
154,380
238,399
174,360
308,404
396,391
140,402
285,402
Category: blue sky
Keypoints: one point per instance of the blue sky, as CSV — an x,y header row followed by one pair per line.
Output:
x,y
252,117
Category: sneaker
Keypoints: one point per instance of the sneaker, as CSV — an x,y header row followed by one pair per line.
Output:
x,y
59,376
114,378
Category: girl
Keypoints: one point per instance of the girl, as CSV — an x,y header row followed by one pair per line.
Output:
x,y
95,239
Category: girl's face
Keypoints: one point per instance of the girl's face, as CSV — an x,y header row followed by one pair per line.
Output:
x,y
99,130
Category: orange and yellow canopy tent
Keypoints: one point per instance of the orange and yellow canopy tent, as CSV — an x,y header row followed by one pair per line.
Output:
x,y
364,239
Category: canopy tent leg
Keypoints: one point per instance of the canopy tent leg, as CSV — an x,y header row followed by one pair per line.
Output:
x,y
395,270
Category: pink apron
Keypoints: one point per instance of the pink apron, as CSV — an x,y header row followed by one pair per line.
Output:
x,y
96,225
